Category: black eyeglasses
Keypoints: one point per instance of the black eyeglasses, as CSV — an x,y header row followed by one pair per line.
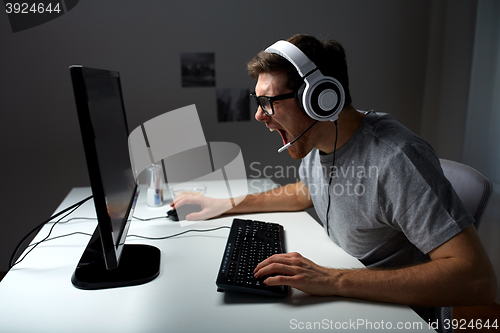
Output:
x,y
266,102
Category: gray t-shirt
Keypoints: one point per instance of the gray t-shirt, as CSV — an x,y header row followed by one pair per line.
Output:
x,y
390,203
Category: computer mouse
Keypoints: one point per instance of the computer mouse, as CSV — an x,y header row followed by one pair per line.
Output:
x,y
172,214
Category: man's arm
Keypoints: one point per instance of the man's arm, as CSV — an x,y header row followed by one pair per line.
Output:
x,y
291,197
459,273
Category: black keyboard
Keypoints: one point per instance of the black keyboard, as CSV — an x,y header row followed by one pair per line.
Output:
x,y
249,242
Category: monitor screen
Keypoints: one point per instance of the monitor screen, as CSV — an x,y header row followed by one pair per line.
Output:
x,y
110,132
101,113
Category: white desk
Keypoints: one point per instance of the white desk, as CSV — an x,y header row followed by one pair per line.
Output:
x,y
37,294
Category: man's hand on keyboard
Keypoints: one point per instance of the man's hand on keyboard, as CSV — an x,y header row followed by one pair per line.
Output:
x,y
299,272
210,207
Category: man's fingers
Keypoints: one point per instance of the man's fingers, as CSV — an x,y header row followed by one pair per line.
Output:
x,y
286,263
197,216
276,268
186,200
279,280
284,258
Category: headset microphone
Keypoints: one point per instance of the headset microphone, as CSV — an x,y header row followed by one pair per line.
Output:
x,y
291,142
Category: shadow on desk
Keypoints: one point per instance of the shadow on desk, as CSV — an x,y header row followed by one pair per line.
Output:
x,y
234,297
296,299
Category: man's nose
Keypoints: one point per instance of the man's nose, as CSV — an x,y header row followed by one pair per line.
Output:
x,y
260,115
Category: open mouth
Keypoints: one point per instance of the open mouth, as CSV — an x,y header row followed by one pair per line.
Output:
x,y
284,135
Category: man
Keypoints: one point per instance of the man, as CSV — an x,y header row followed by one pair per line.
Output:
x,y
378,189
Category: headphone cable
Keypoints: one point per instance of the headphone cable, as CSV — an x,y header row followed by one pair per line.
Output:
x,y
330,181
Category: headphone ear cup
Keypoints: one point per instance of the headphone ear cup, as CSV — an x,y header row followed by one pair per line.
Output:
x,y
300,94
323,97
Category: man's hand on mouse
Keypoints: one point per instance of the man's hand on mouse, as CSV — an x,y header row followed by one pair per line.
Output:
x,y
210,207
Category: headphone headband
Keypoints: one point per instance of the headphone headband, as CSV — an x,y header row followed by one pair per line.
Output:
x,y
294,55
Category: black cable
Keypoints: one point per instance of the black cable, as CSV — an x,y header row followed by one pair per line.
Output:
x,y
78,204
134,217
330,182
153,218
180,233
138,236
46,239
72,209
76,218
61,236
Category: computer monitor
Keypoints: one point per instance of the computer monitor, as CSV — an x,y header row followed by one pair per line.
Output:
x,y
108,262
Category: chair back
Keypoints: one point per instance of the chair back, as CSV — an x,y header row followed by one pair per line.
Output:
x,y
471,186
474,190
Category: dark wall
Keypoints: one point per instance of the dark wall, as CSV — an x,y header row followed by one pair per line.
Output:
x,y
41,150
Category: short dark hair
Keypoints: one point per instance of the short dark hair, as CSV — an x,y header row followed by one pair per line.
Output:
x,y
328,55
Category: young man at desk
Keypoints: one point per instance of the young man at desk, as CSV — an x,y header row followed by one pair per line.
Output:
x,y
377,188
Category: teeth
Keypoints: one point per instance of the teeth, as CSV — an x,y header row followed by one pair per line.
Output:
x,y
272,129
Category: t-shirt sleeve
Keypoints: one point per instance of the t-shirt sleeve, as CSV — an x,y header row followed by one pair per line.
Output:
x,y
416,198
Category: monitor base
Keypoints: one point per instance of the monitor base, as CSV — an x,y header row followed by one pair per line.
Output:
x,y
139,264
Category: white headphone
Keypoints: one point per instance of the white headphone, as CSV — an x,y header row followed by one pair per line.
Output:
x,y
321,97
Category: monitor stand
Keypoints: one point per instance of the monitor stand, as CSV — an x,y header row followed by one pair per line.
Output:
x,y
139,264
